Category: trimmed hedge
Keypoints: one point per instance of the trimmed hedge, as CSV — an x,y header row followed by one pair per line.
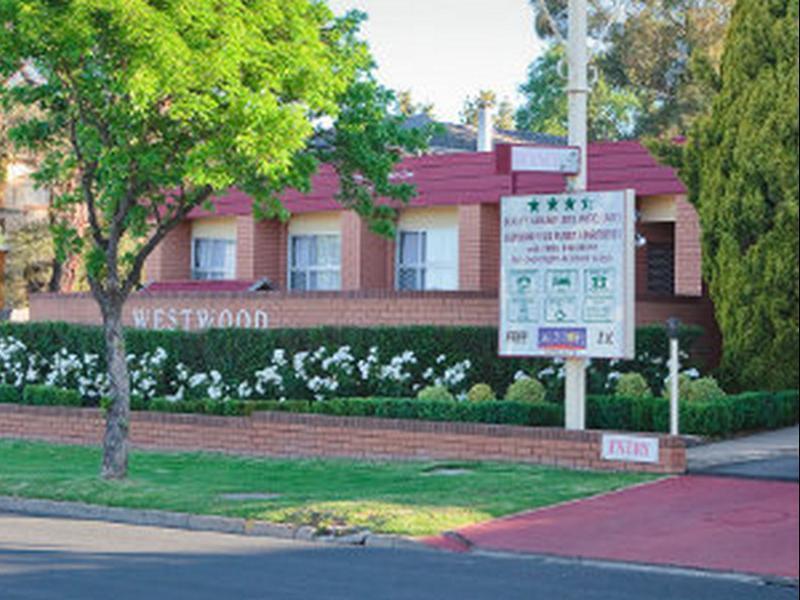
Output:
x,y
45,395
750,411
10,394
544,414
718,418
237,353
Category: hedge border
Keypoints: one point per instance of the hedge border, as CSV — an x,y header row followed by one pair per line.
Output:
x,y
723,417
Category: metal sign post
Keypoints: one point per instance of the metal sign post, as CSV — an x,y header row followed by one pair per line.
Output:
x,y
577,98
672,332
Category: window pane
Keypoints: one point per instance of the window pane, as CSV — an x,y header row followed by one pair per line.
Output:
x,y
325,280
214,259
442,246
410,248
441,278
327,250
297,280
300,251
409,278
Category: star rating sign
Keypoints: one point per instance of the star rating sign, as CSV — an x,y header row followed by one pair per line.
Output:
x,y
552,204
586,204
534,206
569,204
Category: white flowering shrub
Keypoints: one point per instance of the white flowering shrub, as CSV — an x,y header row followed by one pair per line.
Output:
x,y
316,374
319,373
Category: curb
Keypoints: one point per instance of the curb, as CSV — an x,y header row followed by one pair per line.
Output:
x,y
190,522
741,577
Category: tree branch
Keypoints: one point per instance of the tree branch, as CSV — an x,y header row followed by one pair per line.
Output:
x,y
184,207
87,176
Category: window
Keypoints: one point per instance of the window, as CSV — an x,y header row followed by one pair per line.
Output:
x,y
660,269
314,262
427,260
213,258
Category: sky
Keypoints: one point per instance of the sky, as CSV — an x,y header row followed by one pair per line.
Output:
x,y
446,50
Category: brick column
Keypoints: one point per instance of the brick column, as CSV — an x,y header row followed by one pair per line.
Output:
x,y
171,259
364,255
688,256
478,247
258,249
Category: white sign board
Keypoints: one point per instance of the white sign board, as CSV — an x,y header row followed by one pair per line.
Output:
x,y
563,159
567,275
629,448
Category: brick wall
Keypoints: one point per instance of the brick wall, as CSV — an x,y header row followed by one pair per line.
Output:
x,y
364,255
357,307
479,246
290,435
258,250
688,256
171,259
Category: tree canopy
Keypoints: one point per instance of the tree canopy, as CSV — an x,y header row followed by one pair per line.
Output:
x,y
147,109
655,62
612,111
741,167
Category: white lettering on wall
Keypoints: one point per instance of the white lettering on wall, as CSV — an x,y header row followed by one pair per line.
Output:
x,y
198,318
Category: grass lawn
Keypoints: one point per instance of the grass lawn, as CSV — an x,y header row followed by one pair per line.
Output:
x,y
409,498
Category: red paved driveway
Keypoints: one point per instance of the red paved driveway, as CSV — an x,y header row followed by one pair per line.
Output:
x,y
713,523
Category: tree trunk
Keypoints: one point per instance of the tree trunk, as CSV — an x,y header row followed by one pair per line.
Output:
x,y
115,441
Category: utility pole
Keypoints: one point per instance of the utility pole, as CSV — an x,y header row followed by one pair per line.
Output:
x,y
577,98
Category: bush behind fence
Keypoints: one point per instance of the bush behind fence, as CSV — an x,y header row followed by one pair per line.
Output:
x,y
237,353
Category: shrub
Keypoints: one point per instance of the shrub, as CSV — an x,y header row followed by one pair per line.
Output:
x,y
526,389
237,354
435,392
9,394
45,395
480,392
632,385
684,382
704,389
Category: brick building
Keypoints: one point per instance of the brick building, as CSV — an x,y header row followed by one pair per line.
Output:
x,y
324,266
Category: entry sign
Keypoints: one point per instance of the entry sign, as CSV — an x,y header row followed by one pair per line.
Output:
x,y
629,448
567,275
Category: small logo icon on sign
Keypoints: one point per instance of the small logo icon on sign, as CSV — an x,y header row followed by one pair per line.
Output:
x,y
562,338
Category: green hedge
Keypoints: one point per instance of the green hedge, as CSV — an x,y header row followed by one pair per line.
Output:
x,y
750,411
45,395
237,353
499,412
718,418
10,394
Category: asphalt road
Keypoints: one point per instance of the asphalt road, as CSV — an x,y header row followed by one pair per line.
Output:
x,y
59,559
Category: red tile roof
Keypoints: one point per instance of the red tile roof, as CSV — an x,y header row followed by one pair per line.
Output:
x,y
470,178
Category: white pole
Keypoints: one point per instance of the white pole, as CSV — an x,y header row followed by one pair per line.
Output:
x,y
577,94
673,386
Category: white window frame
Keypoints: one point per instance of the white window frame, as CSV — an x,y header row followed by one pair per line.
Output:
x,y
421,268
290,269
228,273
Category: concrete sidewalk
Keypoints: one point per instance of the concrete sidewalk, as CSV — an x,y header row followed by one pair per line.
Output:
x,y
771,444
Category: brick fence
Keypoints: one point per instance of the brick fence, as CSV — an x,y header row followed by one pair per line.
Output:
x,y
197,310
299,435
